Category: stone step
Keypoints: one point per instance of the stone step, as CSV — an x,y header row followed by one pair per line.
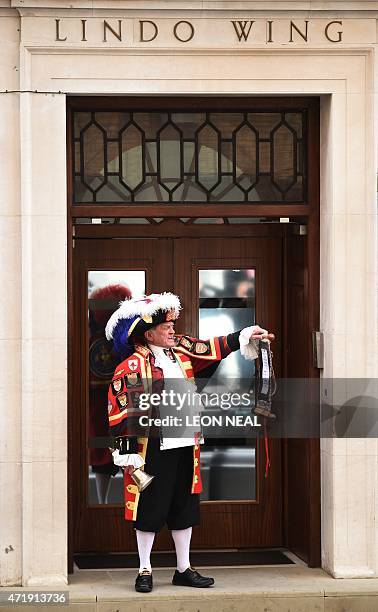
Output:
x,y
294,588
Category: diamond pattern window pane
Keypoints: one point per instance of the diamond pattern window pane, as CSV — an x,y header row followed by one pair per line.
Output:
x,y
193,157
208,156
170,157
93,139
132,150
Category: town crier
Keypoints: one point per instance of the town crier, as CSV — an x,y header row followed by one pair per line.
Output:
x,y
143,335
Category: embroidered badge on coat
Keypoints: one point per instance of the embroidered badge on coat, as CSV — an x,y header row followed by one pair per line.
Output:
x,y
122,401
117,385
133,364
132,380
201,348
186,343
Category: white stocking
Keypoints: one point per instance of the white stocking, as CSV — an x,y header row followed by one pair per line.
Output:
x,y
145,540
181,538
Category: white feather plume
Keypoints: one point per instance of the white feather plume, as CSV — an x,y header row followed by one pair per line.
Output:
x,y
137,307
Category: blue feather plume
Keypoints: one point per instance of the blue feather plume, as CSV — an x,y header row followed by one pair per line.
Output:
x,y
122,344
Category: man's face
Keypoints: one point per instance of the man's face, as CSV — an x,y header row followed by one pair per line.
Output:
x,y
161,335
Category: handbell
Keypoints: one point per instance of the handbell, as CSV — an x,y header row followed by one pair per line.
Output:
x,y
141,479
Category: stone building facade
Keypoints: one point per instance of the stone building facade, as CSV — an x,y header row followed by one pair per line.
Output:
x,y
51,49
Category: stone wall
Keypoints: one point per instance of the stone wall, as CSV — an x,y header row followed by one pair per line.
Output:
x,y
33,228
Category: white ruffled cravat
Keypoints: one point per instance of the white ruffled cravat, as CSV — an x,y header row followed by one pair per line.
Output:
x,y
171,369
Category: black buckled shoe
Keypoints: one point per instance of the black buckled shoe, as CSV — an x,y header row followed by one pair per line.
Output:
x,y
191,578
143,582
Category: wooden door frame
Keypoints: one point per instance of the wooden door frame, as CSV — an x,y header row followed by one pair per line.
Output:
x,y
308,213
175,229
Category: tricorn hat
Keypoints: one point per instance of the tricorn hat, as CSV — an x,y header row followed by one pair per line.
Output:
x,y
135,316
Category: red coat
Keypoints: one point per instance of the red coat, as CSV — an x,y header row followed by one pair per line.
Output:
x,y
134,376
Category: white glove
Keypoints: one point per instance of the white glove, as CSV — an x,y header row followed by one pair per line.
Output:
x,y
132,459
248,347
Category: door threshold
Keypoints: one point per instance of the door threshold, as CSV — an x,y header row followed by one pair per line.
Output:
x,y
199,558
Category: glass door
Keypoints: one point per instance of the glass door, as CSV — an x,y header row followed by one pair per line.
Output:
x,y
224,285
105,273
227,284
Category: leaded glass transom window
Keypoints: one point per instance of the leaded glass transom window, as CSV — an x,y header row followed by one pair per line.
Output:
x,y
192,157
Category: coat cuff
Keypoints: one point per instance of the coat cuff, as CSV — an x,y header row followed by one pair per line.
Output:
x,y
233,341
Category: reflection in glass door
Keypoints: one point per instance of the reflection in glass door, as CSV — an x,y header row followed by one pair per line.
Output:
x,y
106,288
227,303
